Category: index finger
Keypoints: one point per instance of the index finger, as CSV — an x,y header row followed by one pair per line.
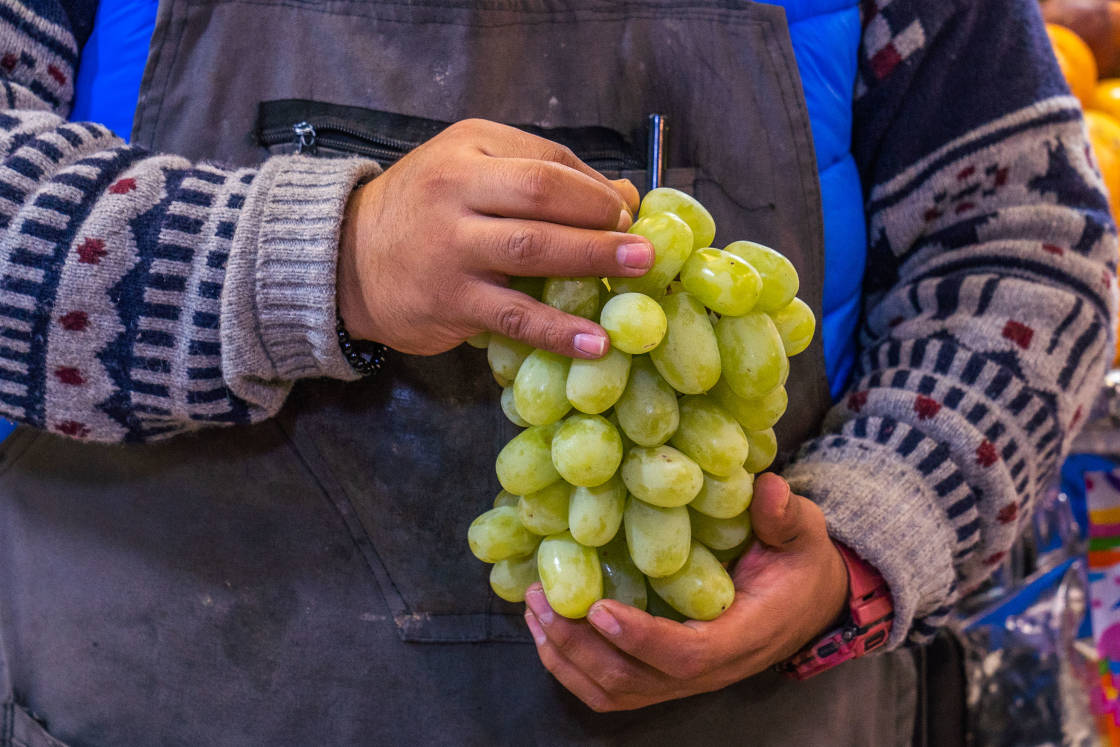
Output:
x,y
504,141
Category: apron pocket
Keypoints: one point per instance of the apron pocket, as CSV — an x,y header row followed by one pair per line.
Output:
x,y
318,128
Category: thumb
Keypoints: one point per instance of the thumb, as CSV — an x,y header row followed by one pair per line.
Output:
x,y
780,518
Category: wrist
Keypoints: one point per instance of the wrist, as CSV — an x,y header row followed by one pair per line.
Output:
x,y
864,625
351,302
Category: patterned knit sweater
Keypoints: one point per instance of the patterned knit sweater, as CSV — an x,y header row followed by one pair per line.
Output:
x,y
142,296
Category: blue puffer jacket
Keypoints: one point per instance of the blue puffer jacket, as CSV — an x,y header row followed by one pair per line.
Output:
x,y
826,36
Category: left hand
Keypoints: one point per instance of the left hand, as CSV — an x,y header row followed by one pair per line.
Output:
x,y
791,586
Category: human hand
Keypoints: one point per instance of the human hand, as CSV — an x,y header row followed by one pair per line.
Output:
x,y
428,246
791,586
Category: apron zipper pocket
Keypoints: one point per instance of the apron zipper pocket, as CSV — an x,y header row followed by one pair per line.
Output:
x,y
385,137
309,134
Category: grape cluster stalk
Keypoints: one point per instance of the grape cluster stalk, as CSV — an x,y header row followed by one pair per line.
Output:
x,y
634,473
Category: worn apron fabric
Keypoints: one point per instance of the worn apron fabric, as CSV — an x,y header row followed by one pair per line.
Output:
x,y
307,580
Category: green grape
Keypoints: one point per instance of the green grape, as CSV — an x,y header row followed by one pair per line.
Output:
x,y
647,410
510,578
578,296
586,450
672,241
764,447
634,321
546,510
570,574
509,407
480,341
506,498
538,390
784,375
505,357
593,386
658,607
688,356
621,578
524,464
732,555
779,278
753,414
595,512
709,436
658,538
724,497
529,286
687,207
752,354
796,323
701,589
627,443
661,475
721,281
498,534
721,534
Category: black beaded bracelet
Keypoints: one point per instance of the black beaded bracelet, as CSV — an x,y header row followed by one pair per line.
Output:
x,y
366,358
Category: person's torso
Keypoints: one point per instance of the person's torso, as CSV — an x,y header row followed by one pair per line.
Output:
x,y
308,579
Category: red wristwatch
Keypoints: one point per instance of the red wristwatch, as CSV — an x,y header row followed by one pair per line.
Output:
x,y
870,614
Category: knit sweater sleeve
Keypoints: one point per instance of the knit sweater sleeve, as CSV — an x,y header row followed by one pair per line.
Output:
x,y
142,295
990,299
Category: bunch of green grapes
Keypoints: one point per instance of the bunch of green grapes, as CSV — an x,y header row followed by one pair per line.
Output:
x,y
634,472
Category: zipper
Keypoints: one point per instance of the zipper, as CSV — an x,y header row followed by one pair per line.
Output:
x,y
343,134
330,132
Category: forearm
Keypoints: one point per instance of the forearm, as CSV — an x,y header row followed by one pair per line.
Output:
x,y
142,295
983,346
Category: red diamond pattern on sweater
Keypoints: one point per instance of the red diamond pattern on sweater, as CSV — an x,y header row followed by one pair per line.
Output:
x,y
57,74
74,321
72,428
1008,513
122,186
926,407
856,400
993,559
885,60
1053,249
69,375
91,251
1018,333
9,62
986,454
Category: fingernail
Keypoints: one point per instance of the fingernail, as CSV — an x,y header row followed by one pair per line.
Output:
x,y
534,628
539,605
604,621
635,256
591,344
624,220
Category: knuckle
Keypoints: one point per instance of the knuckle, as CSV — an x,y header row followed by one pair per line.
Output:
x,y
536,182
564,154
513,321
615,679
523,247
555,336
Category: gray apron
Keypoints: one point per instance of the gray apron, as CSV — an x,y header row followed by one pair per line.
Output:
x,y
307,580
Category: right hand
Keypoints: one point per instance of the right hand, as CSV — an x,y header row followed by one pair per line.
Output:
x,y
428,246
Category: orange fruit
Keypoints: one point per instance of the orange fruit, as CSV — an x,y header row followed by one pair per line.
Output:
x,y
1106,97
1076,61
1104,136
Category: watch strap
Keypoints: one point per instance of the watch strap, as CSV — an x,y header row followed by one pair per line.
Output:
x,y
865,628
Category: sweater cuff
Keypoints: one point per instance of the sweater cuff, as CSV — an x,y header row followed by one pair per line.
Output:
x,y
279,301
888,516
